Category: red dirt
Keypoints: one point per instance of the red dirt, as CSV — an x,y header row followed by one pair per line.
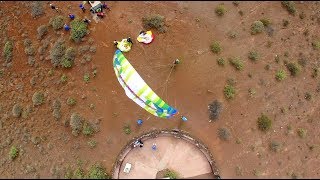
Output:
x,y
188,40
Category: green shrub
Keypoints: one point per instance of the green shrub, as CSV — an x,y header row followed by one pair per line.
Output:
x,y
42,30
302,133
57,52
57,22
266,22
264,123
97,171
215,109
14,152
79,173
224,134
257,27
221,61
294,68
281,75
154,21
215,47
220,10
290,6
76,123
253,55
64,78
308,96
171,174
87,129
71,101
275,146
92,143
316,45
7,51
37,9
237,63
78,30
127,129
38,98
16,110
66,63
86,77
27,42
30,51
229,91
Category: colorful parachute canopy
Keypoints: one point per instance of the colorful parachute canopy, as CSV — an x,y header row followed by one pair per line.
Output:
x,y
137,90
145,37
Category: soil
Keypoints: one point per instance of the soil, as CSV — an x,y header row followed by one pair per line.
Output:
x,y
194,84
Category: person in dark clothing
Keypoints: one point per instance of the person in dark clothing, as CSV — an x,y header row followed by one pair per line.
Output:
x,y
115,42
53,7
86,20
129,40
82,8
71,16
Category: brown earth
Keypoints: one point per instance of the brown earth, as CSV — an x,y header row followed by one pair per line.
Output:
x,y
192,26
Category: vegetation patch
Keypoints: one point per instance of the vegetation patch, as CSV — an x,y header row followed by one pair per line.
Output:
x,y
86,77
215,109
57,22
302,133
42,31
127,129
92,143
78,30
281,75
16,110
215,47
76,123
79,173
57,52
87,130
154,21
71,101
257,27
171,174
274,146
308,96
97,171
237,63
266,22
7,51
37,9
264,123
221,61
13,153
220,10
38,98
253,55
316,45
63,78
229,91
294,68
224,134
290,6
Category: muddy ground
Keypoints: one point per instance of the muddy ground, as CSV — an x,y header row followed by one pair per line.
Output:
x,y
47,146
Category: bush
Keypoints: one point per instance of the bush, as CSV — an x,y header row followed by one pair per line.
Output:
x,y
229,91
316,45
93,49
66,63
56,114
236,63
290,6
37,9
294,68
78,30
76,123
64,78
266,22
83,49
215,47
171,174
308,96
31,60
281,75
7,51
57,52
70,53
253,55
220,10
127,129
236,3
14,152
224,134
92,143
79,173
214,110
221,61
57,22
42,30
257,27
38,98
264,123
16,110
302,133
97,171
71,101
86,77
87,129
27,42
154,21
56,104
30,51
275,146
285,23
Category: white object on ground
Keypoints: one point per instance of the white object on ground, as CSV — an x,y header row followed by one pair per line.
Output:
x,y
127,168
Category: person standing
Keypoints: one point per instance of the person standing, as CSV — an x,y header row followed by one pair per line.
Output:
x,y
139,122
53,7
66,27
154,146
71,16
82,8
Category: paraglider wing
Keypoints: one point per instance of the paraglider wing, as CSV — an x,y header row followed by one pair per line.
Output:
x,y
137,90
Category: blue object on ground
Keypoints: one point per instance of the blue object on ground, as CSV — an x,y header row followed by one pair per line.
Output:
x,y
66,27
139,121
184,118
154,147
71,16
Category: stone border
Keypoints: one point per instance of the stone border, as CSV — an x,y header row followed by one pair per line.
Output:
x,y
165,132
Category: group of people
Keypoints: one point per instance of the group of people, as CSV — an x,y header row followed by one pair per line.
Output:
x,y
139,143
